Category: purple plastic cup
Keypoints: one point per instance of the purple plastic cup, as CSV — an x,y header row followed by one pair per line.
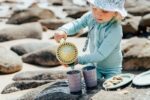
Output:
x,y
74,80
90,76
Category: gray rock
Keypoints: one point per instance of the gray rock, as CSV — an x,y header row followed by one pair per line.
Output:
x,y
21,32
10,62
31,14
24,48
44,57
23,85
131,24
51,91
138,7
40,75
136,54
54,23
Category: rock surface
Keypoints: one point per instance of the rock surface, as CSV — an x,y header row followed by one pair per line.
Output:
x,y
21,32
10,62
44,57
40,75
23,85
32,14
25,48
138,7
49,91
144,26
136,54
75,11
126,94
131,24
54,23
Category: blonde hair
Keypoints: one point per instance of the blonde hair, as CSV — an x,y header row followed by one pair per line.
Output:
x,y
118,16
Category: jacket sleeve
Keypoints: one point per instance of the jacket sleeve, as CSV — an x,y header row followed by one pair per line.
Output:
x,y
108,45
75,26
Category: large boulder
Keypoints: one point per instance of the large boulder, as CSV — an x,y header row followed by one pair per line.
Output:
x,y
136,54
24,48
31,14
44,57
10,62
30,30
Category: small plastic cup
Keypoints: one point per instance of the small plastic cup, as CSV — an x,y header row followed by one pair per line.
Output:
x,y
74,80
90,76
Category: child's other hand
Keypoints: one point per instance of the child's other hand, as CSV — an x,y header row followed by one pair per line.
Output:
x,y
59,35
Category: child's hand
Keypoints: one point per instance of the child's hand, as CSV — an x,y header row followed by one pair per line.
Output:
x,y
59,35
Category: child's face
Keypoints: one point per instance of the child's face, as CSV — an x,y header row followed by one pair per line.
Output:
x,y
101,15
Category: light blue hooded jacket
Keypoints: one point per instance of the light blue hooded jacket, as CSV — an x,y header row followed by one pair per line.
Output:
x,y
104,44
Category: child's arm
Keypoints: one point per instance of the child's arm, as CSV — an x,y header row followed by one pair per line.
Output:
x,y
108,45
73,27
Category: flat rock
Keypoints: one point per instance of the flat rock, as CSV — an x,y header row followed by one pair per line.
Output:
x,y
54,23
145,20
51,91
40,75
21,32
75,11
145,24
10,62
23,85
44,57
126,94
67,3
24,48
80,3
32,14
138,7
136,54
56,2
131,24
